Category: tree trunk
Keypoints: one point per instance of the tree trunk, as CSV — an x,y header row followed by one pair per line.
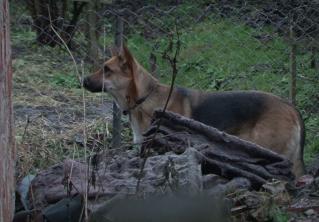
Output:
x,y
153,64
293,65
315,58
7,150
42,11
45,12
92,34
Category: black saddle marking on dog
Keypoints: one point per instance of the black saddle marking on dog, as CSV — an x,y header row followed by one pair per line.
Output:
x,y
183,92
230,109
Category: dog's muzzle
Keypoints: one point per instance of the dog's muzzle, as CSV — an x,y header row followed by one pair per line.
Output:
x,y
92,86
85,82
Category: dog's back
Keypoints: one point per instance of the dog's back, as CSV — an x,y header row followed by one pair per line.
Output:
x,y
259,117
229,110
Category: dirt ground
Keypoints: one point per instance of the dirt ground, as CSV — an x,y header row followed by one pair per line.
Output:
x,y
51,117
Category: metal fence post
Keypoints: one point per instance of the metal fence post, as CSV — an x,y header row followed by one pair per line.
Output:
x,y
7,149
117,128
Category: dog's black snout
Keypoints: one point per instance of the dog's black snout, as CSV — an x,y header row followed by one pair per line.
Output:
x,y
86,82
91,85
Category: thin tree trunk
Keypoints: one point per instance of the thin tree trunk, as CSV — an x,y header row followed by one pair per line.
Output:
x,y
39,10
153,64
7,149
71,28
293,67
117,128
46,10
315,58
93,39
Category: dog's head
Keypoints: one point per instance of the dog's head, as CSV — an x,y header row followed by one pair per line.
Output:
x,y
116,76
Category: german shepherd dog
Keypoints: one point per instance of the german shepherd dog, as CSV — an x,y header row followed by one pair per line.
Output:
x,y
259,117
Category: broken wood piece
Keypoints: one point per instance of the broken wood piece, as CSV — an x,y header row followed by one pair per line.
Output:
x,y
218,152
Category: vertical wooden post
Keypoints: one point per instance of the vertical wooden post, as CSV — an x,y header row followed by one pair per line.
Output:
x,y
153,64
117,128
293,66
315,57
7,149
92,34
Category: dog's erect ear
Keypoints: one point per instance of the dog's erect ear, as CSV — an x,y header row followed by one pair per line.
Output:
x,y
126,58
125,54
128,63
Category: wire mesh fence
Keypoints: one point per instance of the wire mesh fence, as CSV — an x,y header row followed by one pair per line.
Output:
x,y
225,45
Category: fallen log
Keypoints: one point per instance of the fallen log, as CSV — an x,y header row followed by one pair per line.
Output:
x,y
218,152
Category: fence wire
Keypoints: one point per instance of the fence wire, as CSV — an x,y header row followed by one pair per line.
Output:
x,y
225,45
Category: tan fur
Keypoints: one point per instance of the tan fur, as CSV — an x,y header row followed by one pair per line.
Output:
x,y
129,81
280,117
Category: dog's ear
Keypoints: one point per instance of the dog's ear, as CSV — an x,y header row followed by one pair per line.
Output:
x,y
126,59
125,54
128,63
128,56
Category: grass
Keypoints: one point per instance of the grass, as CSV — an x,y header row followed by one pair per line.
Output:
x,y
280,216
217,54
48,104
221,55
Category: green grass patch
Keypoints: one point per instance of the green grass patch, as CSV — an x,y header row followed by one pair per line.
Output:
x,y
222,55
280,216
65,80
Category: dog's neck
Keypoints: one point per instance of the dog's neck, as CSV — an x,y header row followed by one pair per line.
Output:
x,y
144,84
144,81
140,114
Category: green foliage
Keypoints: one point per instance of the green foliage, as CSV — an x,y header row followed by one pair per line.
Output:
x,y
280,216
65,80
223,55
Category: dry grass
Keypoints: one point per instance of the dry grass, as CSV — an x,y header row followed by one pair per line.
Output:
x,y
49,112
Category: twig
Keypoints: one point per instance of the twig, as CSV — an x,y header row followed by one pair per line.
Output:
x,y
173,63
307,78
66,46
85,150
204,14
29,120
26,127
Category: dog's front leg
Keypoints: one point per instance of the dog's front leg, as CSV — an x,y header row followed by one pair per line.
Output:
x,y
137,130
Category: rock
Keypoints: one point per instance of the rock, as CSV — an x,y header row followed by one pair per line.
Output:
x,y
278,191
211,180
23,189
310,212
162,174
304,181
304,204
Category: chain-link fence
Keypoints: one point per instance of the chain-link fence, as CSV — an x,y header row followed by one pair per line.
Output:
x,y
225,45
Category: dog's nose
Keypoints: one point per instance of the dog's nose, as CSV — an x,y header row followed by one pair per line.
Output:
x,y
91,84
86,82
